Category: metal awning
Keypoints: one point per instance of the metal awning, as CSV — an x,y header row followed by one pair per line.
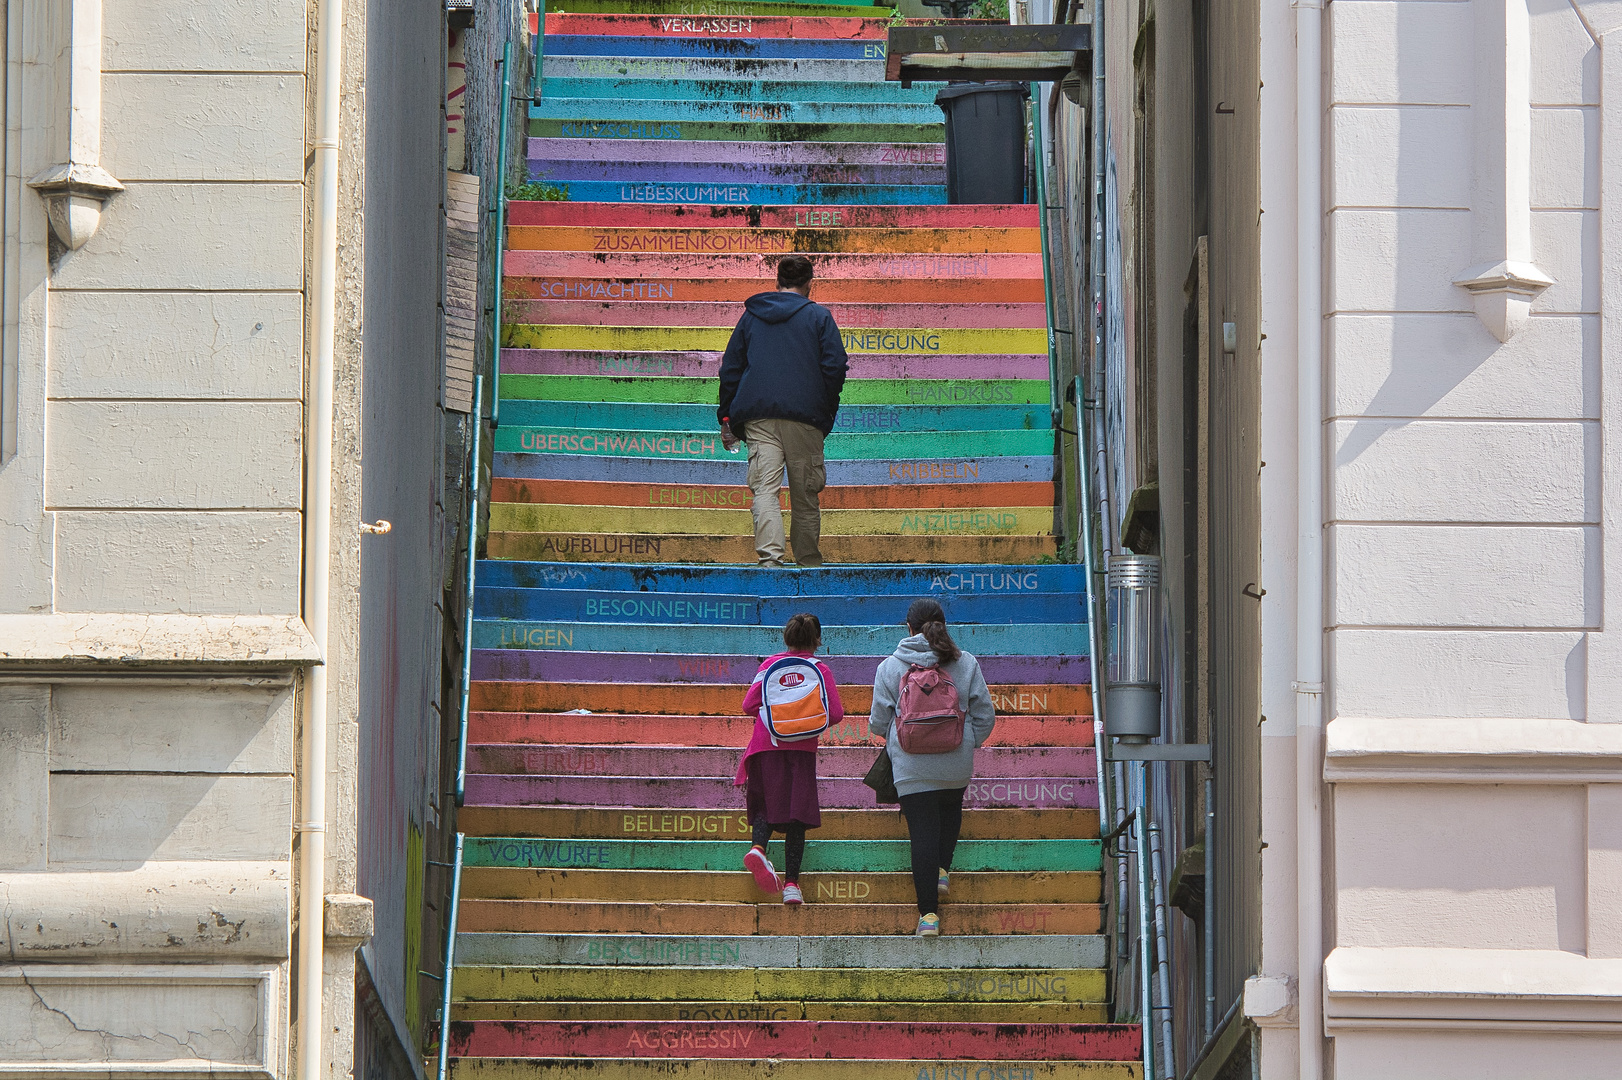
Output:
x,y
985,53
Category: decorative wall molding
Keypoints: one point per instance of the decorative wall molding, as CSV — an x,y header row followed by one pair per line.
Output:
x,y
74,640
1477,989
1504,280
76,188
1492,751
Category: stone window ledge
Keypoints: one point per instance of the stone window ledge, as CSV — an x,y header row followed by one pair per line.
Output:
x,y
100,640
1488,751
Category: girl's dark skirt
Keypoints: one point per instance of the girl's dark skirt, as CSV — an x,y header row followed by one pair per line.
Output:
x,y
781,788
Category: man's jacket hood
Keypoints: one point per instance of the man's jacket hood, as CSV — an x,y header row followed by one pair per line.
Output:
x,y
775,307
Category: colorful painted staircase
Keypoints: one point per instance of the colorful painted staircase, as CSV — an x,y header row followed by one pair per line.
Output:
x,y
607,924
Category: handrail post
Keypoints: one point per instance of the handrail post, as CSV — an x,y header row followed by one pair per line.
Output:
x,y
450,962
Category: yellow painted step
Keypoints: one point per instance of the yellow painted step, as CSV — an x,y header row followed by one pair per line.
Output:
x,y
579,983
908,1012
634,548
928,341
554,517
702,886
790,1069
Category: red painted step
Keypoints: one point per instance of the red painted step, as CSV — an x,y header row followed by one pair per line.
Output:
x,y
624,215
719,26
796,1039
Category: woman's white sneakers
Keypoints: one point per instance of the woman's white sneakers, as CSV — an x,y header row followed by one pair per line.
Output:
x,y
929,926
761,867
791,895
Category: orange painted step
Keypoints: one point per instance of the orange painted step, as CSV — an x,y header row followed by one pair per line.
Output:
x,y
554,727
767,918
823,290
722,699
709,496
866,550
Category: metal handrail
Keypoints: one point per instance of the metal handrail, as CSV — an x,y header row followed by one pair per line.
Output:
x,y
470,570
500,235
1040,168
1146,940
450,963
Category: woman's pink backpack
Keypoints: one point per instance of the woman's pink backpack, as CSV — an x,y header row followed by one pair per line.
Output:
x,y
929,717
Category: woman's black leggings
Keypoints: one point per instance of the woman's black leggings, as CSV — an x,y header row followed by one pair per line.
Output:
x,y
793,845
934,819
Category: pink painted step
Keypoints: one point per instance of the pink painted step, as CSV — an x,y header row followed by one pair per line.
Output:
x,y
670,761
707,365
711,793
677,264
865,316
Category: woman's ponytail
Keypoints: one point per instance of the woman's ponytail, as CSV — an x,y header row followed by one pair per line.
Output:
x,y
927,618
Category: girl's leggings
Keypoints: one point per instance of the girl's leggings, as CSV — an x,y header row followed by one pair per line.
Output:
x,y
934,819
793,845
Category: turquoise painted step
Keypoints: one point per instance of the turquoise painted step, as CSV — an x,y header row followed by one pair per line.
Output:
x,y
678,390
951,580
705,445
686,69
742,609
538,950
725,194
865,94
821,856
639,416
1034,639
841,113
844,130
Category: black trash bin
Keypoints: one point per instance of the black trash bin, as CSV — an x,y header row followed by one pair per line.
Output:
x,y
985,141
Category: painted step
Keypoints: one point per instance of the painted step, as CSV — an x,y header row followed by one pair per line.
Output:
x,y
767,917
744,194
851,317
689,68
631,548
607,822
851,419
714,496
981,639
922,340
676,521
775,984
1040,1012
590,104
779,951
960,216
712,47
538,666
735,130
763,175
806,1039
735,471
671,151
827,290
827,856
876,96
706,366
790,1069
552,727
705,445
630,251
667,761
714,793
737,609
728,29
690,8
890,242
734,886
944,582
856,392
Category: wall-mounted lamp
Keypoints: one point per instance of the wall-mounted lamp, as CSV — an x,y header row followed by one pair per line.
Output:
x,y
1132,687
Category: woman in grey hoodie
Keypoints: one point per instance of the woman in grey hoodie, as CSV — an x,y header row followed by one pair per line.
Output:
x,y
931,785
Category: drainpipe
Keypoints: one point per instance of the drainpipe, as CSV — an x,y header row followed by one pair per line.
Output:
x,y
318,540
1309,618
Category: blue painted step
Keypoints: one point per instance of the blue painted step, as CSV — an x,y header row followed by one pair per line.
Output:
x,y
729,194
984,470
853,419
742,609
947,580
1035,639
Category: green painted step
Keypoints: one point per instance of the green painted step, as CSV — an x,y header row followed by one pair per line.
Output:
x,y
706,445
677,390
824,856
575,983
541,950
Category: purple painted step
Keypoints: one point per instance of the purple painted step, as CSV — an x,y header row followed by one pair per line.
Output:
x,y
704,761
706,793
725,172
526,665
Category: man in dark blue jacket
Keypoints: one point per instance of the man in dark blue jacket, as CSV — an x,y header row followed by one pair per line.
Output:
x,y
780,383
